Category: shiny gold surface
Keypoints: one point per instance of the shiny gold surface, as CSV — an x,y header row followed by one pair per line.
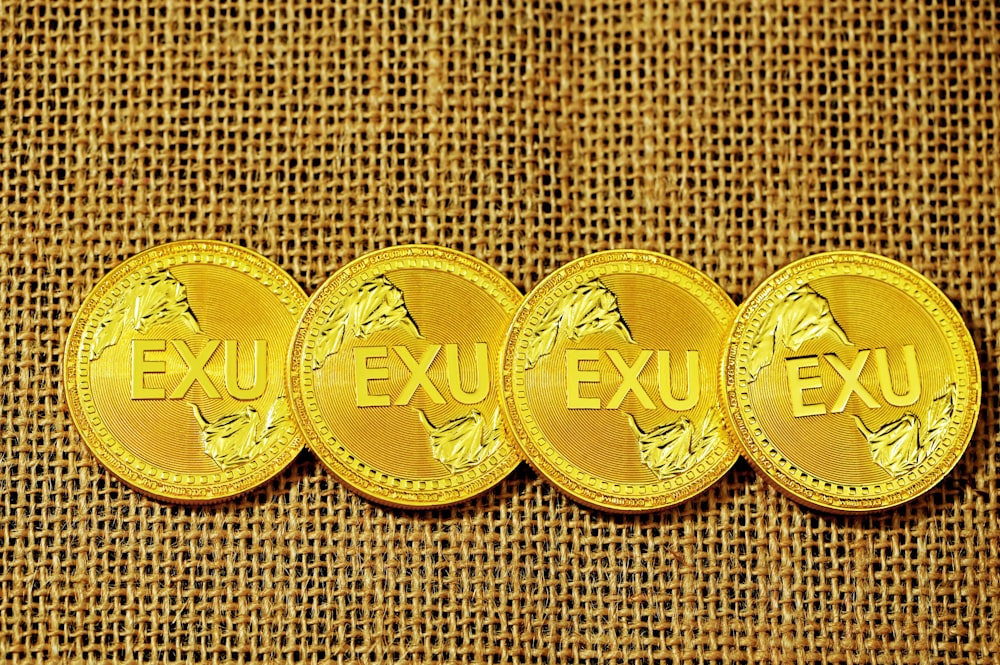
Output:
x,y
852,382
610,380
174,370
393,375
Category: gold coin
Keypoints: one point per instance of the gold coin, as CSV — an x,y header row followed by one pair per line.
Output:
x,y
174,368
610,380
851,382
392,373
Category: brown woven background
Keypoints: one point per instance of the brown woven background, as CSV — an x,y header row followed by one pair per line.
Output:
x,y
736,137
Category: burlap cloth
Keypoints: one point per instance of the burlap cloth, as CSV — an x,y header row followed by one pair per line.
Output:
x,y
735,137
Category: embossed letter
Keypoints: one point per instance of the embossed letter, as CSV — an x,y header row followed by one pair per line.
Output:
x,y
363,374
798,384
852,381
196,369
418,374
575,375
256,388
690,398
630,379
481,387
141,365
912,377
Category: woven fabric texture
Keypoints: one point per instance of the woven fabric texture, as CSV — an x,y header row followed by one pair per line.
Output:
x,y
735,136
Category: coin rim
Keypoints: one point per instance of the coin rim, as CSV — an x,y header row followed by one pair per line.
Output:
x,y
157,488
593,498
750,447
388,495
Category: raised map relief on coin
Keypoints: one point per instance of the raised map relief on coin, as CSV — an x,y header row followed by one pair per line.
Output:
x,y
463,442
589,308
669,449
797,318
676,447
239,437
157,298
161,298
376,306
903,444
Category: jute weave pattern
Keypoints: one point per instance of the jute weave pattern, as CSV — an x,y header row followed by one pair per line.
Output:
x,y
734,136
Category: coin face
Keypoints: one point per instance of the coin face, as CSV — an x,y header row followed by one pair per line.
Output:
x,y
174,371
851,382
610,380
393,373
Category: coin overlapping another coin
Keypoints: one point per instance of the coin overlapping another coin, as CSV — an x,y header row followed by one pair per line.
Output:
x,y
393,376
174,371
852,382
610,382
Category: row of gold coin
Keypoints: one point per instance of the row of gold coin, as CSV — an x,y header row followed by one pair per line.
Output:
x,y
421,376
